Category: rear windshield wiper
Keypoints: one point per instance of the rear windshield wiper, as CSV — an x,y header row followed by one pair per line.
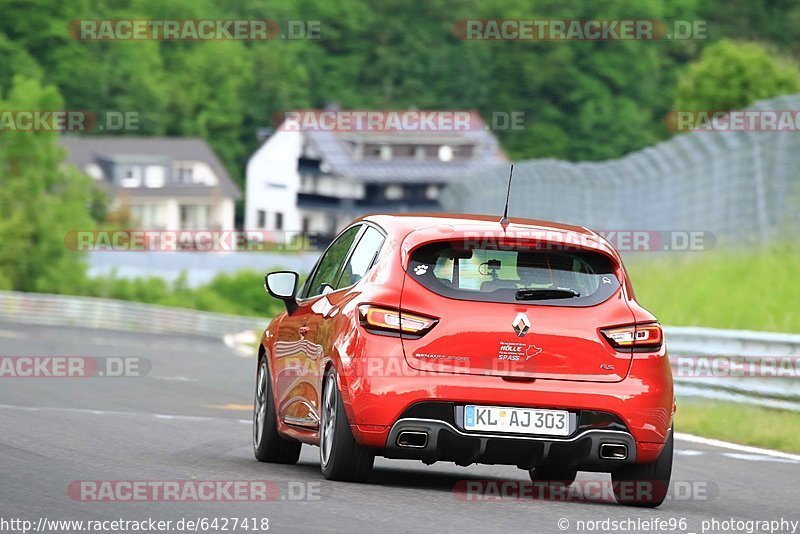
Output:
x,y
545,294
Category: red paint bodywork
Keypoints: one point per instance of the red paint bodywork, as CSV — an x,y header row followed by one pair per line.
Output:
x,y
380,377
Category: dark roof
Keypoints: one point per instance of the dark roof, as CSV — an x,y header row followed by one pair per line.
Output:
x,y
85,150
358,208
335,150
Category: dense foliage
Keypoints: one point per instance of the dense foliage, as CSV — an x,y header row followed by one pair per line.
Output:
x,y
582,100
39,200
731,75
241,293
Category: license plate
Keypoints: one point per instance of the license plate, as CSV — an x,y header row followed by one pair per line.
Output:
x,y
516,420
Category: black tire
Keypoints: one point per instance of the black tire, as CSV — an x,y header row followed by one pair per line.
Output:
x,y
553,476
268,445
645,485
341,457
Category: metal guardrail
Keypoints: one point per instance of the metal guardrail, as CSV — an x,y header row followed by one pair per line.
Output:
x,y
683,342
690,347
88,312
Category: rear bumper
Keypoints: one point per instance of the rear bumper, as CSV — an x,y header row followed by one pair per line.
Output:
x,y
643,402
432,440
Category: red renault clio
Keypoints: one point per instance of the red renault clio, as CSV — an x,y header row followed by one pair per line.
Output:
x,y
460,338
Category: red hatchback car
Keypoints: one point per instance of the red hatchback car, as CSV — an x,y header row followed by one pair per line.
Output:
x,y
458,338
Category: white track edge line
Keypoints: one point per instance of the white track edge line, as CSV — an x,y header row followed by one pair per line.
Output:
x,y
735,446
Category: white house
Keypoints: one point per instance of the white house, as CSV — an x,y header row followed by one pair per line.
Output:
x,y
315,181
166,183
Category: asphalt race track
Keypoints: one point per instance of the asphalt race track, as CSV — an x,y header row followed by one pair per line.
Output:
x,y
189,419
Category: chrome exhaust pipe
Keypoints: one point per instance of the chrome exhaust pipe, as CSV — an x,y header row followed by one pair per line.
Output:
x,y
613,451
412,439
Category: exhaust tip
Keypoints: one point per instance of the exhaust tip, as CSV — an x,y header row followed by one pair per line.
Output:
x,y
613,451
412,439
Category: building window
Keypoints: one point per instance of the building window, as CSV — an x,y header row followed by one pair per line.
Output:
x,y
261,218
463,152
278,220
332,226
306,183
154,176
195,216
402,151
393,192
184,172
147,216
131,177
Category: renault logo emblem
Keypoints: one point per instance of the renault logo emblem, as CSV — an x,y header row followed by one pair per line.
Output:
x,y
521,324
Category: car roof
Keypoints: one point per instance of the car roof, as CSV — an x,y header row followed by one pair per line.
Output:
x,y
418,221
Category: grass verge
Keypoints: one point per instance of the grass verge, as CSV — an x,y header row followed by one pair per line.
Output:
x,y
753,289
739,423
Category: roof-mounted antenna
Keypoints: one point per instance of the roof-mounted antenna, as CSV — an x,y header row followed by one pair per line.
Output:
x,y
504,221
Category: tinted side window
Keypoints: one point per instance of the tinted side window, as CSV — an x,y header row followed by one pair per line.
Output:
x,y
329,266
362,258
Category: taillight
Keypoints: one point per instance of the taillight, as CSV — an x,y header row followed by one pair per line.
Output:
x,y
391,321
648,336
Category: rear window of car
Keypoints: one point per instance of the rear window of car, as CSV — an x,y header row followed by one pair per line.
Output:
x,y
523,275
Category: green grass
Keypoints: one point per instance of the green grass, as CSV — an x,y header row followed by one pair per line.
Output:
x,y
739,423
239,293
751,289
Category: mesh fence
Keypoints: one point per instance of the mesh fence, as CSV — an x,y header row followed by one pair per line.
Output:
x,y
742,186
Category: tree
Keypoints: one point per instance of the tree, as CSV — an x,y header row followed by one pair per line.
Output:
x,y
14,59
731,75
582,100
40,199
205,94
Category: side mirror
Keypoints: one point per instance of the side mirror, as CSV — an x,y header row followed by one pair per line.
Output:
x,y
283,285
